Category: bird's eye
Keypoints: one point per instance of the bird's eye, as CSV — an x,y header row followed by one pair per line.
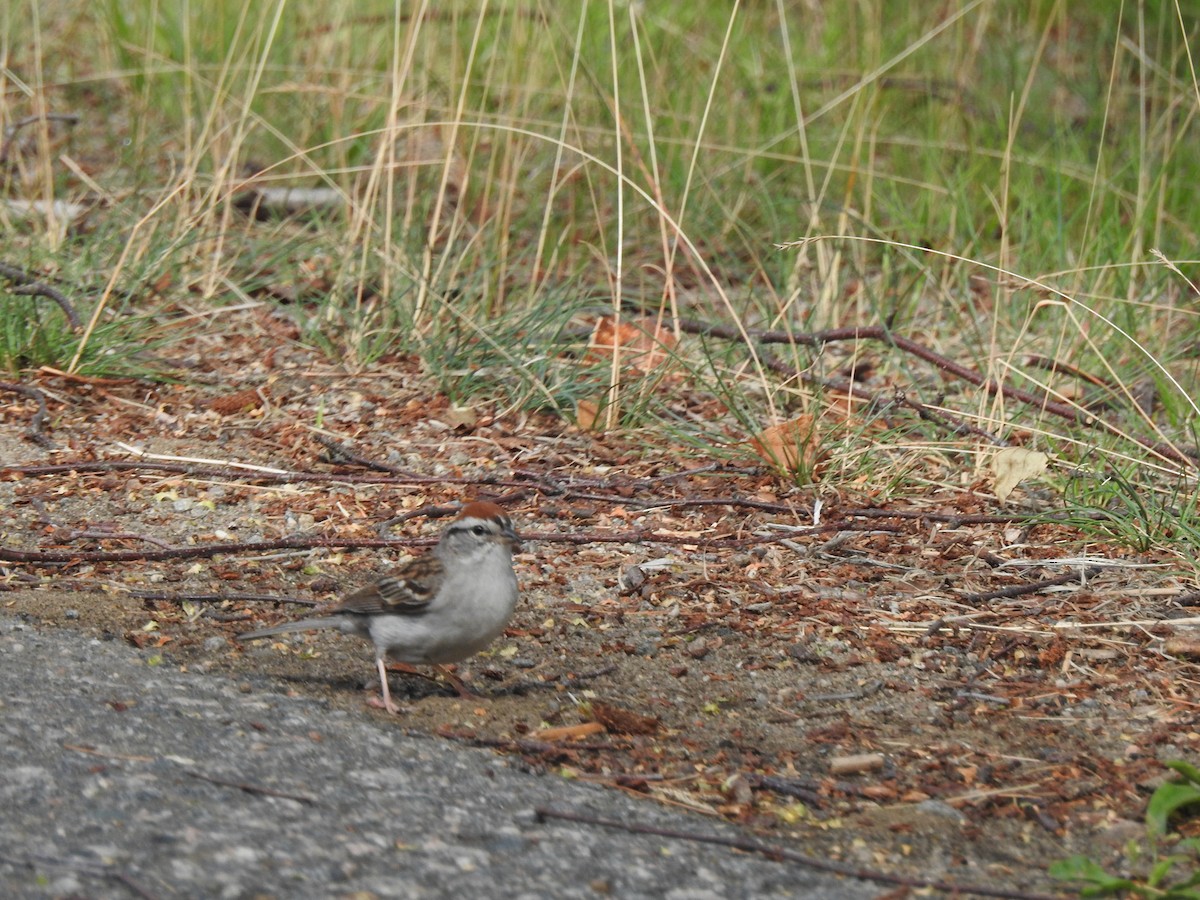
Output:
x,y
479,531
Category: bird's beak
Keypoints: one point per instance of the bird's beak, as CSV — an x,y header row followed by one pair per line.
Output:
x,y
514,539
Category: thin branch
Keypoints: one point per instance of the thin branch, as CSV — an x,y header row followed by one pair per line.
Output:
x,y
197,470
252,788
945,420
203,550
965,373
10,133
35,431
219,598
27,283
635,536
1032,587
340,452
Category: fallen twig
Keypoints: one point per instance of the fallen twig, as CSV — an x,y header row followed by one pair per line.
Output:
x,y
635,536
523,745
10,133
279,476
340,452
1073,414
251,788
99,534
36,425
200,551
219,598
945,420
27,283
1032,587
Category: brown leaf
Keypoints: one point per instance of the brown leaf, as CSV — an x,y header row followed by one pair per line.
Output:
x,y
239,402
791,446
643,344
569,732
586,414
622,721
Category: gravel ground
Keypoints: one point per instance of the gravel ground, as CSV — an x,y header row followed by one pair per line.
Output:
x,y
110,789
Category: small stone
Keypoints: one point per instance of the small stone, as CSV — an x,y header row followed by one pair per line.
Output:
x,y
942,810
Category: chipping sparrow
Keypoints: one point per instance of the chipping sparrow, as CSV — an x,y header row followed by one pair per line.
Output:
x,y
441,607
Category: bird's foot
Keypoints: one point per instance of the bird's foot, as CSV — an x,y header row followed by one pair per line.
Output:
x,y
390,705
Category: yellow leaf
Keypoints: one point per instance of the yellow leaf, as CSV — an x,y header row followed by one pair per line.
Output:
x,y
1012,465
792,813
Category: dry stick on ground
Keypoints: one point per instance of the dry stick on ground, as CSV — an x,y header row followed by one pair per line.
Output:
x,y
341,453
10,133
86,467
83,467
1032,587
749,845
27,283
219,598
252,788
201,470
635,536
203,550
885,335
38,422
99,534
944,420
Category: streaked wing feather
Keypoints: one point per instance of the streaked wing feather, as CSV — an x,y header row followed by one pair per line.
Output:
x,y
397,595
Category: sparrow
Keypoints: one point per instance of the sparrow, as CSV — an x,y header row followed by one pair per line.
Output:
x,y
439,608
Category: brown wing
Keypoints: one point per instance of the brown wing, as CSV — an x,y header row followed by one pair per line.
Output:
x,y
406,592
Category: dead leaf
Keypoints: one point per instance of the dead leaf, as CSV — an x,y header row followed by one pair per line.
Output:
x,y
622,721
569,732
239,402
462,417
643,344
1012,465
586,414
791,446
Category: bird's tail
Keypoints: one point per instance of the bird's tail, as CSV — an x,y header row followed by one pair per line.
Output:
x,y
289,627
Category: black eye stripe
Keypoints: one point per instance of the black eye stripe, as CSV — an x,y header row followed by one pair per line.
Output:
x,y
459,527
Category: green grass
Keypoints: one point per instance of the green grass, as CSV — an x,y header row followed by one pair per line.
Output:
x,y
990,179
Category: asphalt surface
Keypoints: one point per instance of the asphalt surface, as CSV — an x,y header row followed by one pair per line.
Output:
x,y
110,786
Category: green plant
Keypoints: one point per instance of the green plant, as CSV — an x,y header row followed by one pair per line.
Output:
x,y
1174,876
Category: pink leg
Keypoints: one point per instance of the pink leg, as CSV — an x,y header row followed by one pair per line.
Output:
x,y
387,695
